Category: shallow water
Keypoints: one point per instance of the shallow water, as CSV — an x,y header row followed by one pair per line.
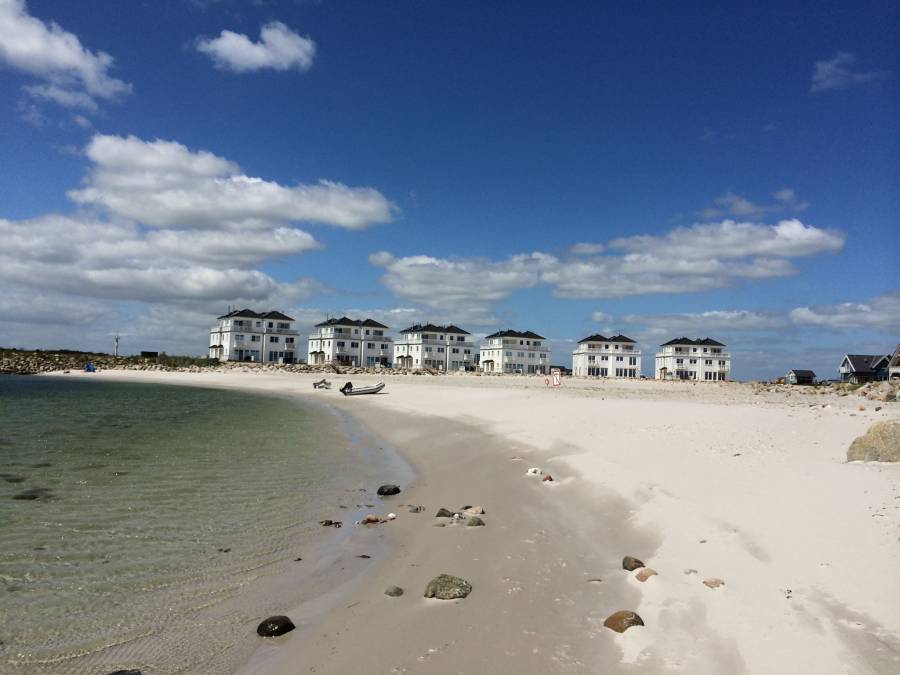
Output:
x,y
132,513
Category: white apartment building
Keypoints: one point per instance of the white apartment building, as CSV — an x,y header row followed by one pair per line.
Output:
x,y
599,356
686,359
245,335
351,342
511,351
439,347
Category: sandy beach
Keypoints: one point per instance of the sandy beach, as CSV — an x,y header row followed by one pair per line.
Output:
x,y
699,481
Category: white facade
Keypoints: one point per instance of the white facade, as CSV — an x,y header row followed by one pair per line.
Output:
x,y
438,347
351,342
686,359
511,351
245,335
599,356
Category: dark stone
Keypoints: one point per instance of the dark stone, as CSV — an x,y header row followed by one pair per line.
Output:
x,y
34,493
275,626
224,550
416,509
125,672
41,465
387,490
297,559
475,521
364,556
14,479
622,621
631,564
447,587
394,591
443,513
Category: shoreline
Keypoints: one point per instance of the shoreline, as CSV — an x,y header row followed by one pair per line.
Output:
x,y
743,485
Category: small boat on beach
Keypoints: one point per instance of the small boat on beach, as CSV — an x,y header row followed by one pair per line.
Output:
x,y
348,389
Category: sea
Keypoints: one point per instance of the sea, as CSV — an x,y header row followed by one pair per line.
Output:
x,y
141,525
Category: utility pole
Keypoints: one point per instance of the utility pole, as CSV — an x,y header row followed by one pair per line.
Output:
x,y
116,351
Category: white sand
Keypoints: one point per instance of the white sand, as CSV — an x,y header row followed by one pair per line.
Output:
x,y
750,488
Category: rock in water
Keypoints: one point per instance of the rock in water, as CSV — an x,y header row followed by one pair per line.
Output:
x,y
447,587
629,563
475,521
881,443
622,621
443,513
275,626
645,574
394,591
387,490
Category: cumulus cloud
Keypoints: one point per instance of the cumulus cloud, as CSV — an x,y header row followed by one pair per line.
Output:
x,y
279,48
838,73
880,313
586,248
701,257
731,204
601,317
707,322
73,76
165,184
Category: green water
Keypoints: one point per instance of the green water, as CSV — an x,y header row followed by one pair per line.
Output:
x,y
153,506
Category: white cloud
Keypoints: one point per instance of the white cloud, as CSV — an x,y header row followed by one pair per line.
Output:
x,y
73,75
463,290
165,184
731,204
601,317
838,73
279,48
685,260
707,322
880,313
586,248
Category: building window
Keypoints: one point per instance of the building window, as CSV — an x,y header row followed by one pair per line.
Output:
x,y
289,340
254,338
354,345
370,345
693,361
632,360
620,358
340,343
273,338
708,362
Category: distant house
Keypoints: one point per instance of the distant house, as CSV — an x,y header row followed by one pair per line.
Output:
x,y
894,365
437,347
245,335
800,377
351,342
687,359
598,356
859,368
512,351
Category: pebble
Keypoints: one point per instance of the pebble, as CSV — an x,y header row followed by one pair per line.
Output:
x,y
630,563
713,582
623,620
275,626
475,521
645,574
394,591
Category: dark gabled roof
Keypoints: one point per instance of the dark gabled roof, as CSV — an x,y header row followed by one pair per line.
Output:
x,y
706,342
864,363
594,338
621,338
802,373
515,334
345,321
241,313
432,328
275,314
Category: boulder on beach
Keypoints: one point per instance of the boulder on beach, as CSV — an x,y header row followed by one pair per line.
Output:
x,y
447,587
387,490
630,563
473,511
645,573
475,521
394,591
275,626
443,513
881,443
623,620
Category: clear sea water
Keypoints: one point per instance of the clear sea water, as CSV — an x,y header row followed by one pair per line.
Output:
x,y
156,513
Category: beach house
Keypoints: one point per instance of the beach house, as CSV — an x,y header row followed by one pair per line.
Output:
x,y
599,356
245,335
800,377
894,365
512,351
859,368
687,359
351,342
438,347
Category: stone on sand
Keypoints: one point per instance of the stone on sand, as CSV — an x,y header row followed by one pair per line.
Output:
x,y
274,626
547,479
622,621
475,521
387,490
473,511
645,574
447,587
881,443
713,583
630,563
394,591
443,513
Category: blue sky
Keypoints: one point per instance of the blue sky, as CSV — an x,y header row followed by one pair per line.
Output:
x,y
656,169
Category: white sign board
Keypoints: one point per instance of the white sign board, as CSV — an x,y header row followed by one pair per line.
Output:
x,y
555,376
